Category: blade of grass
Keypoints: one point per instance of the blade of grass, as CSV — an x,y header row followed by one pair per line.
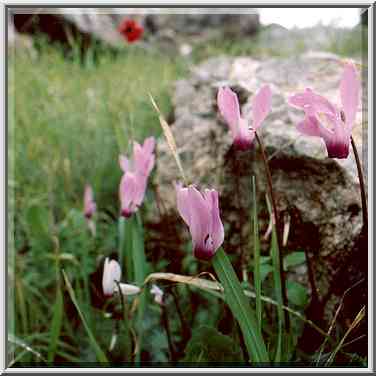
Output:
x,y
275,256
359,317
56,324
20,299
240,308
215,288
169,137
139,265
17,358
125,323
256,256
58,306
278,292
186,279
331,327
125,247
19,342
44,338
101,356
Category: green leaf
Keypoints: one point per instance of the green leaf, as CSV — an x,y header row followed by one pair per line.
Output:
x,y
139,267
256,256
265,269
56,324
240,307
297,293
125,247
209,345
293,259
38,221
101,356
265,259
278,291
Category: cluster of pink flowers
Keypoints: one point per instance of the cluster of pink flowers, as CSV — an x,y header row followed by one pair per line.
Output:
x,y
200,211
325,120
229,108
322,118
136,172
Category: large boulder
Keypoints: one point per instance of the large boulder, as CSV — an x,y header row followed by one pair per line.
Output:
x,y
67,24
320,197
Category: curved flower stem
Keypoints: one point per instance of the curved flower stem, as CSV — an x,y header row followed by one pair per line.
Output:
x,y
278,228
362,185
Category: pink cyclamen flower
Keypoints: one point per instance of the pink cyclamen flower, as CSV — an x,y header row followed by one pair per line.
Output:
x,y
111,275
229,108
89,203
201,213
323,119
136,172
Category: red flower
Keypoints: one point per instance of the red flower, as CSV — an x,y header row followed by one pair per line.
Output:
x,y
130,30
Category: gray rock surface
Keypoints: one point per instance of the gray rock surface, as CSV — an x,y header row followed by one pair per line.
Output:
x,y
17,41
196,21
96,22
166,25
321,196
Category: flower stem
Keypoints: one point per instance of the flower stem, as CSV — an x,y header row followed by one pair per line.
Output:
x,y
362,185
240,214
278,229
186,331
124,306
166,325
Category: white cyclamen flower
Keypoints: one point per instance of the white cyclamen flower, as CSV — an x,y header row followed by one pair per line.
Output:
x,y
111,275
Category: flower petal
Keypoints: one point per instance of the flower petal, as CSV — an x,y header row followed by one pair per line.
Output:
x,y
149,145
338,142
311,126
129,194
88,195
141,183
199,218
244,136
127,289
312,103
216,230
228,105
124,163
261,105
350,88
89,203
182,203
157,293
337,148
111,273
143,156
